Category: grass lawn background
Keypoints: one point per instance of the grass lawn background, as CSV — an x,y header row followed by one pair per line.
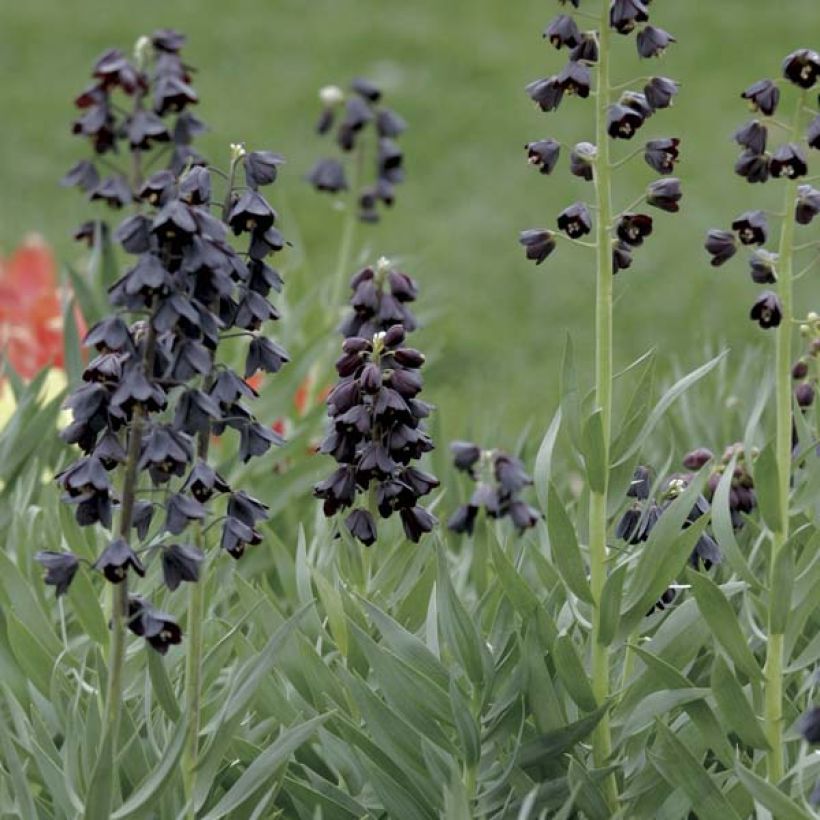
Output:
x,y
456,70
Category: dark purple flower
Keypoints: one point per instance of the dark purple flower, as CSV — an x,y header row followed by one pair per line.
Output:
x,y
721,245
360,525
662,154
808,204
547,93
158,628
60,567
180,562
328,175
416,522
664,194
763,96
754,167
802,67
625,14
574,78
813,133
575,220
543,154
659,92
116,559
622,122
563,31
789,161
539,244
752,228
261,167
463,519
767,310
633,228
652,41
804,394
582,160
762,266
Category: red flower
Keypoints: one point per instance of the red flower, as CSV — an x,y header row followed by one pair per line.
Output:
x,y
31,318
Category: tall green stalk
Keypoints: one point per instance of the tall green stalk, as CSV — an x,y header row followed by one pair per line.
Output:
x,y
351,220
783,451
193,659
119,592
602,740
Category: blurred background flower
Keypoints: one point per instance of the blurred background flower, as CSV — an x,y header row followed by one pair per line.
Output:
x,y
31,320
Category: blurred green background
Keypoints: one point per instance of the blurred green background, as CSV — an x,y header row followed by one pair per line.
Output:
x,y
456,70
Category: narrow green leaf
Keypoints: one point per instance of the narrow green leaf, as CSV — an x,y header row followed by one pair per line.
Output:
x,y
15,768
592,446
564,549
420,701
259,667
780,593
589,796
457,627
332,602
767,487
611,605
147,792
679,767
92,306
32,657
699,712
666,400
161,686
724,530
733,706
466,725
658,704
397,800
264,766
101,786
71,344
319,792
638,408
570,397
722,620
542,474
779,804
551,746
571,671
407,646
515,587
662,566
85,604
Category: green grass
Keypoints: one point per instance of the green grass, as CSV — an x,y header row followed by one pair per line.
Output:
x,y
456,70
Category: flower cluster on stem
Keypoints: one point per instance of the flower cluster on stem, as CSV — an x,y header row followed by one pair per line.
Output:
x,y
774,308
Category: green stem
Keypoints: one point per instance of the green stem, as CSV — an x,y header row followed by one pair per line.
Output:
x,y
783,451
193,684
601,739
351,220
119,592
193,657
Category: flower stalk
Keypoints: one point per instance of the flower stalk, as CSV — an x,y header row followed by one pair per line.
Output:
x,y
602,741
783,448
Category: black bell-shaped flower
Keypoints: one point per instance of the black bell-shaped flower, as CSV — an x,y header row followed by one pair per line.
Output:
x,y
60,567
